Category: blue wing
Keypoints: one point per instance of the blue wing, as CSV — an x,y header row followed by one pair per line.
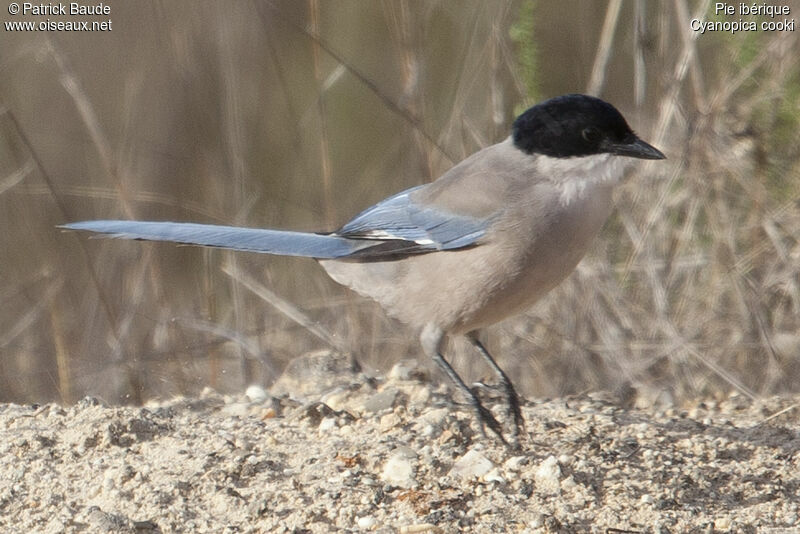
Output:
x,y
423,228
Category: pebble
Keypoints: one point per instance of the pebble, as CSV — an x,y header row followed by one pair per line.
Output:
x,y
494,476
402,370
547,475
381,401
327,424
256,394
515,463
336,399
419,395
472,464
366,522
399,470
420,527
435,417
722,524
389,421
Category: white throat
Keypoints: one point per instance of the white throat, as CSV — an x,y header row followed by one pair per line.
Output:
x,y
573,176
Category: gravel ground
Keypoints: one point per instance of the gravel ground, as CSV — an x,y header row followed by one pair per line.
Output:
x,y
394,455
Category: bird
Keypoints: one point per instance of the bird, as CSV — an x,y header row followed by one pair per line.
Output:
x,y
483,242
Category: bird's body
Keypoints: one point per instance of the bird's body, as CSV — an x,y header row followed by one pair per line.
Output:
x,y
484,241
550,229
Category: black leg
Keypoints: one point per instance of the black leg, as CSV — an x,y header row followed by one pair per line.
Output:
x,y
484,416
512,399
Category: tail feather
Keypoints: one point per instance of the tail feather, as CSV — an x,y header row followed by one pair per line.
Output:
x,y
281,242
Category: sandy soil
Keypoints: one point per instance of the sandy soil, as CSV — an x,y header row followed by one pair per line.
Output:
x,y
395,455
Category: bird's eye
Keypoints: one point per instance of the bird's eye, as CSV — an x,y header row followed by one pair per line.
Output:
x,y
590,134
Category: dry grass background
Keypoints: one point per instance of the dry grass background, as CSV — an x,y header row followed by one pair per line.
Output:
x,y
299,114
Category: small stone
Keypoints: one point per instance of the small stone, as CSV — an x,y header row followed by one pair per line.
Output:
x,y
472,464
399,471
402,370
366,522
327,424
547,475
420,527
389,421
419,395
568,483
722,524
436,417
515,463
406,452
381,401
494,476
336,399
447,435
256,394
317,371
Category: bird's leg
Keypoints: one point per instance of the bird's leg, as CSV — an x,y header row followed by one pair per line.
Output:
x,y
512,399
431,338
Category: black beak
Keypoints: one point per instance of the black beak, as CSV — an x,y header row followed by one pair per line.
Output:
x,y
635,149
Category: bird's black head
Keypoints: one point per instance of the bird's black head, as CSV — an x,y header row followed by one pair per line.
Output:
x,y
578,125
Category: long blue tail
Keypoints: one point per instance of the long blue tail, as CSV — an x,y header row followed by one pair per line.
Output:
x,y
279,242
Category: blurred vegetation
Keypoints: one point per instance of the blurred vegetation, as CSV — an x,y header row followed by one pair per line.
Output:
x,y
523,35
299,114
